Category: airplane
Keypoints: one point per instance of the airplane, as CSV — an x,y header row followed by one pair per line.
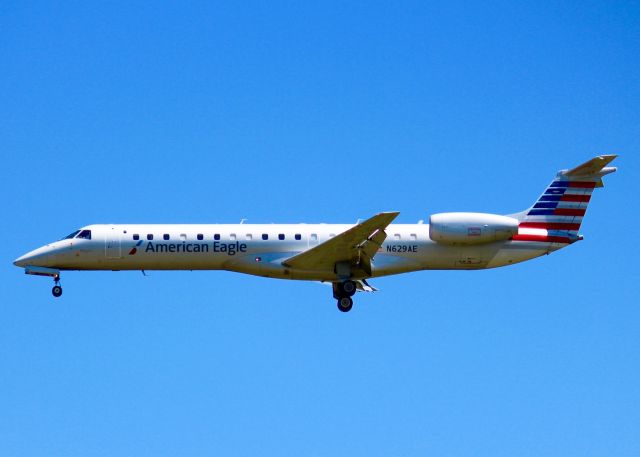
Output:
x,y
344,255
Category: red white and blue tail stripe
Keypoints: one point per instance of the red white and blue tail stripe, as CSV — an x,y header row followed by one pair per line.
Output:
x,y
557,214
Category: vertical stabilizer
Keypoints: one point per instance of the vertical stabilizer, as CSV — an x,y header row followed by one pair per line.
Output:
x,y
557,214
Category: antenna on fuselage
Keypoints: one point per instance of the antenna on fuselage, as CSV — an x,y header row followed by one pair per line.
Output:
x,y
242,221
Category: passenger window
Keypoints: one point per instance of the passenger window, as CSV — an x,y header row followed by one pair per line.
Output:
x,y
265,236
248,236
183,237
233,236
200,236
314,237
165,236
396,237
298,237
216,236
85,234
414,237
136,237
150,236
281,236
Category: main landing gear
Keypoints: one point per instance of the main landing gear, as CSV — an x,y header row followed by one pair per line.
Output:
x,y
57,290
345,304
343,291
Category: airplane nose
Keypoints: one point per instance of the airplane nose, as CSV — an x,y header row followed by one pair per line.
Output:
x,y
38,257
22,261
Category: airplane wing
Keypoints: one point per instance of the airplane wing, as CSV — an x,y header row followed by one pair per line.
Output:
x,y
357,245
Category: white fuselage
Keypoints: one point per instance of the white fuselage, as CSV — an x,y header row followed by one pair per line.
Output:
x,y
260,249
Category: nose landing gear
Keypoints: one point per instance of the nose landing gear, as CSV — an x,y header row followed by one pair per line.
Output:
x,y
51,272
57,290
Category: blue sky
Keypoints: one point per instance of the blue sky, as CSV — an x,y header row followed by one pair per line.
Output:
x,y
290,112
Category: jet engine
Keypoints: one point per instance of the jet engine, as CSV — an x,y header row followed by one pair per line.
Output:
x,y
471,228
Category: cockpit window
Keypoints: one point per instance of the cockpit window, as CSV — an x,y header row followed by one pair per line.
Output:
x,y
86,234
71,235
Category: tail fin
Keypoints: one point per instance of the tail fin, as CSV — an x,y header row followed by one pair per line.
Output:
x,y
556,216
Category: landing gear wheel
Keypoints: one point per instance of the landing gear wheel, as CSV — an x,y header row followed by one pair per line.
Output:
x,y
56,291
349,288
345,304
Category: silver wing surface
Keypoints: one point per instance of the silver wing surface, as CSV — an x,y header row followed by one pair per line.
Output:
x,y
355,247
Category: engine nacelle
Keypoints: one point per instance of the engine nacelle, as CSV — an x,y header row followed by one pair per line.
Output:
x,y
471,228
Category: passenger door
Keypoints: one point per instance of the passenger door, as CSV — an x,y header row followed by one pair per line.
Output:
x,y
113,244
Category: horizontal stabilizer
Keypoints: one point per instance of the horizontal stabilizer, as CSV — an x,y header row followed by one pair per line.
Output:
x,y
592,167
